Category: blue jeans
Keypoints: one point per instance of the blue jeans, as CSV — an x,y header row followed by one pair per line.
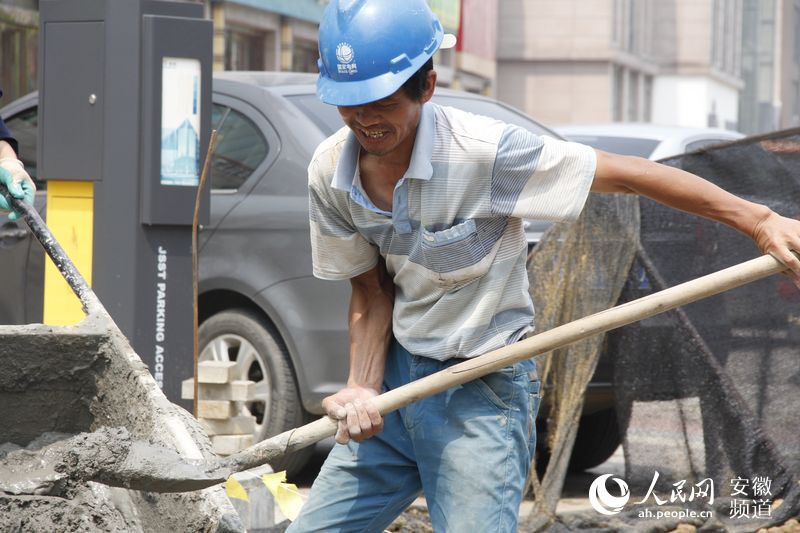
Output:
x,y
468,449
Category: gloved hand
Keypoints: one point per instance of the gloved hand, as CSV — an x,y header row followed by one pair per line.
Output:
x,y
18,182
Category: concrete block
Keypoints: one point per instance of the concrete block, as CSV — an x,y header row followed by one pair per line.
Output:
x,y
230,444
215,409
237,425
187,389
242,391
215,371
237,390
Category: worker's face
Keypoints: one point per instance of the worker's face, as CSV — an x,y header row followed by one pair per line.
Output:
x,y
383,126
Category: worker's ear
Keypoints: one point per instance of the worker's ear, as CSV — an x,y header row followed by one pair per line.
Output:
x,y
430,85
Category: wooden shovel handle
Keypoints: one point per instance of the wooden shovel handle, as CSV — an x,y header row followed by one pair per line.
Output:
x,y
563,335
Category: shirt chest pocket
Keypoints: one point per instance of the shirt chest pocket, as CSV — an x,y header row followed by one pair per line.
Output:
x,y
457,255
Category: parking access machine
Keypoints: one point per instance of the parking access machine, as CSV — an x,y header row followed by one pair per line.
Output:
x,y
124,125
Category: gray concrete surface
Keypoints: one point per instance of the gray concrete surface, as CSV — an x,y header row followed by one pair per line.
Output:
x,y
76,380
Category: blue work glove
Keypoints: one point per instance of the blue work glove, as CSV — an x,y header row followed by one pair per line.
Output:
x,y
18,183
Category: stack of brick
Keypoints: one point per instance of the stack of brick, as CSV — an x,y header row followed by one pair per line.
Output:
x,y
217,410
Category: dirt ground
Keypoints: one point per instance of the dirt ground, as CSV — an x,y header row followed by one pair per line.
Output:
x,y
413,520
416,520
575,499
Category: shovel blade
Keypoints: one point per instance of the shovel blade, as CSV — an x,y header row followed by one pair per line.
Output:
x,y
153,468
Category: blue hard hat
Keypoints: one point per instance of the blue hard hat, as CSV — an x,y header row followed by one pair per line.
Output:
x,y
369,48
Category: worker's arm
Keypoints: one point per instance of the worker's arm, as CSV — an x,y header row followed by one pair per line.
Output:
x,y
370,321
14,177
676,188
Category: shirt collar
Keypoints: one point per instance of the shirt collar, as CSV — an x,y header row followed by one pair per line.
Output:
x,y
419,167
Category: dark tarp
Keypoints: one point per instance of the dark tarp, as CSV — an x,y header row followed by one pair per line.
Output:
x,y
709,391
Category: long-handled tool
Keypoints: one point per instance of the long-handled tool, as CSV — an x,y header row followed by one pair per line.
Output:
x,y
468,370
547,341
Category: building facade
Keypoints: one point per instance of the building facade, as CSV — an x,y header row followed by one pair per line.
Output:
x,y
19,31
282,35
770,66
700,61
472,66
667,61
279,35
265,34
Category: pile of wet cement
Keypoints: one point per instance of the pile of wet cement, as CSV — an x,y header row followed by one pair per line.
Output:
x,y
54,463
35,496
110,456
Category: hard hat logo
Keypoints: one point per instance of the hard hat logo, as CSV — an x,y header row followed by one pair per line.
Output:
x,y
345,55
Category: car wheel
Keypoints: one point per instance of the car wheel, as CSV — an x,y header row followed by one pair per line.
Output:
x,y
246,338
597,439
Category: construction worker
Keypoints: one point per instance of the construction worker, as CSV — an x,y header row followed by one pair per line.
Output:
x,y
420,206
12,172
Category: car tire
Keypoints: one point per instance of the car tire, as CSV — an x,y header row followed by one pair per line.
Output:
x,y
597,439
244,336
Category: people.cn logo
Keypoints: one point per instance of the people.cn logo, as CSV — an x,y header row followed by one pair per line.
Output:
x,y
344,53
602,501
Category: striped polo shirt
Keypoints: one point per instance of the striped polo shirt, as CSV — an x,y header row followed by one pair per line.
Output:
x,y
453,242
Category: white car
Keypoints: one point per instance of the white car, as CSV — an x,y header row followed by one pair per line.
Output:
x,y
646,140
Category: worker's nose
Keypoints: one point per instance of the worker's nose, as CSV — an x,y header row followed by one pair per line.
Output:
x,y
367,117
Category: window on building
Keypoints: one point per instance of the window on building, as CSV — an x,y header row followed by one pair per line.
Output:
x,y
646,29
240,149
727,24
630,41
618,96
797,32
648,99
726,44
713,118
244,49
738,41
717,35
616,21
633,96
304,56
18,45
729,30
640,29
